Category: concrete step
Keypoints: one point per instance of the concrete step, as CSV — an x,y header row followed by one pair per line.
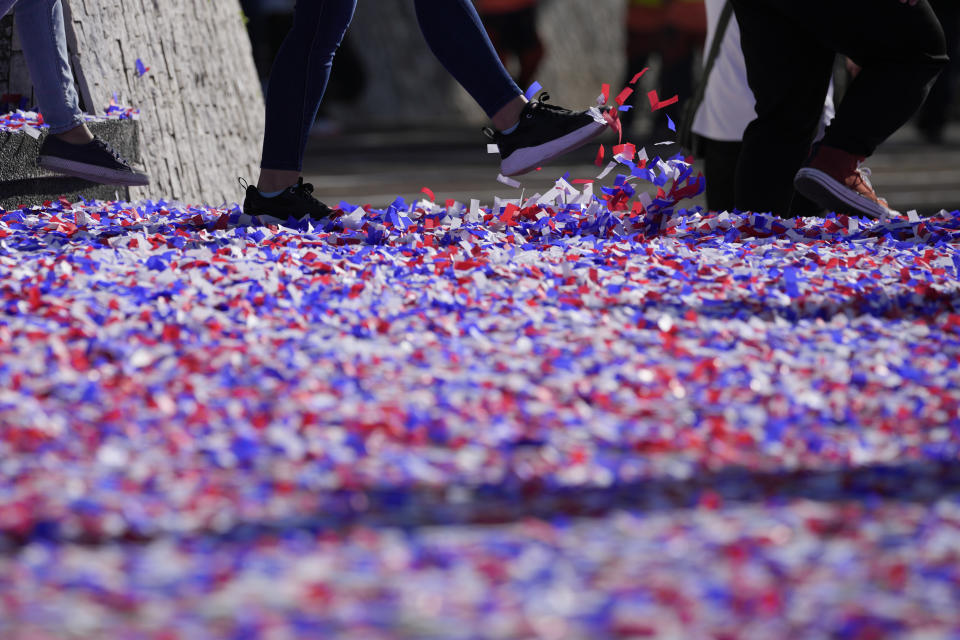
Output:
x,y
23,183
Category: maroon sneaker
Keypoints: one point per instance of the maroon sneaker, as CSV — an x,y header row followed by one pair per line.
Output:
x,y
834,179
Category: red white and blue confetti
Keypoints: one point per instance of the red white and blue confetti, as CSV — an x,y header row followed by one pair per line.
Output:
x,y
32,122
589,412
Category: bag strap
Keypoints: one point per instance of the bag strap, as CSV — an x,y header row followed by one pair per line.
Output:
x,y
690,113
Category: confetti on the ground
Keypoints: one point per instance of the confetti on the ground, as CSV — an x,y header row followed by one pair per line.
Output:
x,y
587,413
803,569
21,120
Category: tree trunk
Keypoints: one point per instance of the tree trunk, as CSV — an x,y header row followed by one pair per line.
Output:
x,y
201,104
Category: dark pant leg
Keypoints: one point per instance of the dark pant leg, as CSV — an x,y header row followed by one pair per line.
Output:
x,y
515,33
789,73
299,78
526,43
456,36
720,169
935,113
901,50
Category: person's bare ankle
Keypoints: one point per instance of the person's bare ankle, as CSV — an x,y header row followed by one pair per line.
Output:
x,y
272,180
509,115
78,135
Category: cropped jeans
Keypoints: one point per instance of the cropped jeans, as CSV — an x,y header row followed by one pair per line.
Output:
x,y
44,41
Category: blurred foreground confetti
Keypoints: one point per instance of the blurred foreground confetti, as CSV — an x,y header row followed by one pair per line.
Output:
x,y
587,413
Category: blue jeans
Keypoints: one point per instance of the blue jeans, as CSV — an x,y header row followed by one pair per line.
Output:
x,y
301,70
40,26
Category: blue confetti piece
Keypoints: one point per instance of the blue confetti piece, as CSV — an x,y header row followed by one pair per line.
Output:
x,y
532,90
141,68
156,263
670,123
790,279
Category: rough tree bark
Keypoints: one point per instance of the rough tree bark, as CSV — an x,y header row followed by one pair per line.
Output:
x,y
201,103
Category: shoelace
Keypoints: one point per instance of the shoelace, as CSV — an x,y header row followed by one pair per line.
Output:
x,y
863,178
865,173
539,105
105,146
303,189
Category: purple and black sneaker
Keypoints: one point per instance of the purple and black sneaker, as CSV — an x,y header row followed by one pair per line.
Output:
x,y
546,131
95,161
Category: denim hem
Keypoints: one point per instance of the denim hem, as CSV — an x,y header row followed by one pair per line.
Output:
x,y
75,122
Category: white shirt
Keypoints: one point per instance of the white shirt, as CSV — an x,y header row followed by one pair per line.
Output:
x,y
727,106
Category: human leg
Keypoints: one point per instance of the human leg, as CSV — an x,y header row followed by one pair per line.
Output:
x,y
524,40
789,72
297,83
40,24
933,116
456,36
908,63
497,25
295,89
530,134
720,168
69,148
870,112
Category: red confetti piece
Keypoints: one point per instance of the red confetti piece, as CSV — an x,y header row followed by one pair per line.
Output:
x,y
508,215
639,75
656,103
613,119
624,95
628,150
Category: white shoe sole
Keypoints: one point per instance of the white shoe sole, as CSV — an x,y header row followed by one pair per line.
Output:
x,y
92,172
525,160
824,190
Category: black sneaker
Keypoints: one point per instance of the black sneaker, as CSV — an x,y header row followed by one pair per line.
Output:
x,y
544,132
95,161
295,204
